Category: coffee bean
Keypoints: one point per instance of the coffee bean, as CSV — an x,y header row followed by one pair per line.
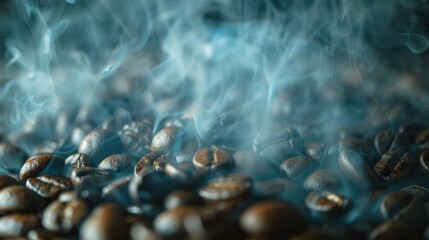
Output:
x,y
88,176
64,216
136,137
311,234
277,143
11,158
19,199
211,158
151,187
272,219
40,165
383,140
99,144
298,168
394,165
358,145
392,230
49,186
356,169
68,196
105,222
6,181
326,203
118,191
165,138
153,160
18,224
315,150
181,171
227,187
139,231
322,179
117,163
422,139
181,198
424,162
41,234
418,191
76,161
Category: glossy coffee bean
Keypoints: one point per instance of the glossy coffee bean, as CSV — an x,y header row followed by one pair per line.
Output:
x,y
392,230
383,140
394,165
181,198
148,160
64,216
11,158
48,186
326,203
136,137
322,179
272,219
298,168
117,163
424,162
99,144
356,169
19,199
254,165
89,176
165,138
105,222
277,143
76,161
227,187
6,181
315,150
18,224
40,165
211,158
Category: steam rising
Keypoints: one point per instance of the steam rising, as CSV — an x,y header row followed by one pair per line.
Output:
x,y
234,64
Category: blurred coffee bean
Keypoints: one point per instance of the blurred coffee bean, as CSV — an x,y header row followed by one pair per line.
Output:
x,y
356,169
424,162
139,231
118,191
186,151
11,158
361,146
298,168
18,224
147,161
181,198
277,143
105,222
420,192
19,199
76,161
79,132
393,230
165,138
40,165
326,203
272,219
211,158
49,186
68,196
311,234
89,177
151,187
42,234
64,216
422,139
99,144
280,187
315,150
399,143
6,181
383,140
227,187
394,165
321,180
117,163
254,165
136,137
180,172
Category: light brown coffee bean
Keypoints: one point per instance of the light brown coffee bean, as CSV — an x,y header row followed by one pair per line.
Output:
x,y
211,158
117,163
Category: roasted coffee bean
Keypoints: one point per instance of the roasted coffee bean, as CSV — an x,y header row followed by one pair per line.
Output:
x,y
145,187
298,168
6,181
315,150
105,222
181,198
277,143
118,191
180,172
165,138
321,180
394,202
254,165
418,191
118,163
49,186
64,216
424,162
422,139
76,161
99,144
18,224
148,161
42,234
211,158
394,165
358,145
136,137
383,140
11,158
356,169
19,199
68,196
40,165
227,187
88,176
272,219
392,230
139,231
326,203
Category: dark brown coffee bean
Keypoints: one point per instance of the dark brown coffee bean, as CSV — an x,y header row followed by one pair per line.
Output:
x,y
392,230
315,150
311,234
6,181
394,165
11,158
88,176
181,198
40,165
356,169
424,162
254,165
118,163
358,145
136,137
181,172
227,187
64,216
145,187
76,161
105,222
146,162
18,199
272,219
277,143
118,191
18,224
298,168
321,180
164,139
418,191
326,203
383,140
422,139
211,158
99,144
49,186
